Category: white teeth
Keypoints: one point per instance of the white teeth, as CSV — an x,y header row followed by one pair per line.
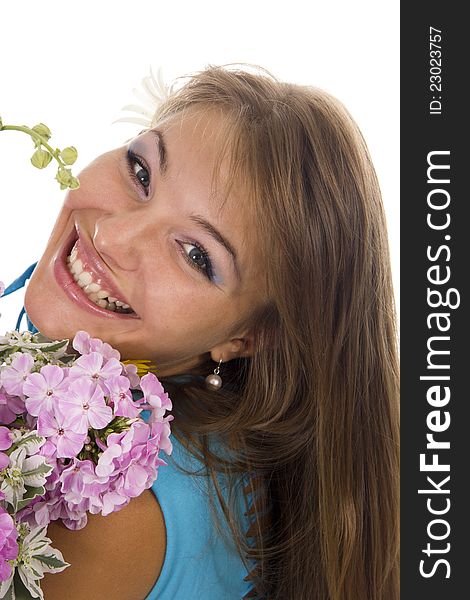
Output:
x,y
77,267
85,278
92,289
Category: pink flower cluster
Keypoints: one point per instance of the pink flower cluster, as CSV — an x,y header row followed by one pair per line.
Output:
x,y
8,543
93,433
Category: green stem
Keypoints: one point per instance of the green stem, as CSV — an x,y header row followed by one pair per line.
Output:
x,y
34,135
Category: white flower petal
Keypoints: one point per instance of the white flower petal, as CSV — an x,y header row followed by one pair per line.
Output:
x,y
153,92
138,109
5,585
30,582
36,535
136,120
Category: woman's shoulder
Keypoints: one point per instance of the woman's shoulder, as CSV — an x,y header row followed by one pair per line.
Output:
x,y
137,552
118,556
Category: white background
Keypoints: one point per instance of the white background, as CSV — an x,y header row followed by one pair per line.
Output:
x,y
73,65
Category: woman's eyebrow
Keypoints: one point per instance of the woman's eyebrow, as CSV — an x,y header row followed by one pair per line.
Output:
x,y
162,151
219,238
211,230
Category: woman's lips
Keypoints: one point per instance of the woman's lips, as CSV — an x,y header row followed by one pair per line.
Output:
x,y
95,265
74,292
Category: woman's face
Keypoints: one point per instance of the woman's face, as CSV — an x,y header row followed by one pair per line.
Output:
x,y
145,258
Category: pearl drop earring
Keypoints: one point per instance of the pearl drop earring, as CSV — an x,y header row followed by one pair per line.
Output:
x,y
214,380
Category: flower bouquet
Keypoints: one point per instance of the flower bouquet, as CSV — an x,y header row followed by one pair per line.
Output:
x,y
80,432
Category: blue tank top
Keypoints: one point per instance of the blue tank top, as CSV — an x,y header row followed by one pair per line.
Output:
x,y
198,563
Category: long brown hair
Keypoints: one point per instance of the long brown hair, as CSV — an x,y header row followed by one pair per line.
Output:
x,y
312,416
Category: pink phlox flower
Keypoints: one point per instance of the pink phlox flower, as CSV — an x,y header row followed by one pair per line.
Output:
x,y
154,394
95,368
133,456
85,402
4,461
52,507
5,438
113,501
106,465
130,371
8,544
44,388
5,443
135,480
73,516
121,397
71,481
63,431
160,434
34,513
49,450
94,486
74,520
14,375
85,344
10,407
137,435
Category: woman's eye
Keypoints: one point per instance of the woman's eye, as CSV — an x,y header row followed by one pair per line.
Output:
x,y
198,258
138,171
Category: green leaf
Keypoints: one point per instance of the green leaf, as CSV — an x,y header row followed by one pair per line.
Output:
x,y
32,442
41,470
6,351
69,155
21,591
40,159
30,494
51,561
54,346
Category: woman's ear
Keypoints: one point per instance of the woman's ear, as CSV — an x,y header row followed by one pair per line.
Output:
x,y
234,348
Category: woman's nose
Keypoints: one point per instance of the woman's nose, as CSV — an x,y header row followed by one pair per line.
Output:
x,y
120,239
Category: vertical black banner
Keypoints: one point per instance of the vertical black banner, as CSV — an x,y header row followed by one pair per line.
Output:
x,y
435,243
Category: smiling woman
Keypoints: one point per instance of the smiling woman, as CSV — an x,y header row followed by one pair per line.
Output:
x,y
244,228
142,247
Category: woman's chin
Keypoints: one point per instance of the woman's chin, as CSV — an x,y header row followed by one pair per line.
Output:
x,y
49,326
50,319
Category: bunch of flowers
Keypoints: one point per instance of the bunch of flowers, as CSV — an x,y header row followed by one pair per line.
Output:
x,y
80,432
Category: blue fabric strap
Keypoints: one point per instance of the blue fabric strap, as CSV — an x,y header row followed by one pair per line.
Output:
x,y
16,285
20,281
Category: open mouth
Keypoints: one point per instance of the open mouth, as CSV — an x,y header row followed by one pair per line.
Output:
x,y
91,283
84,277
